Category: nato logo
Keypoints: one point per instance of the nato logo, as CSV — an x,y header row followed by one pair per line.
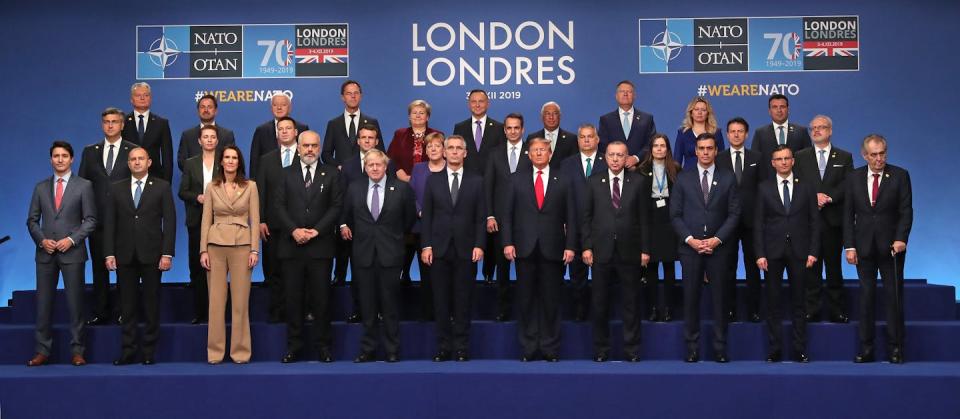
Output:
x,y
666,45
160,52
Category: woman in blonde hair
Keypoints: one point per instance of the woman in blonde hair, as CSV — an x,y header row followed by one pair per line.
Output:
x,y
699,119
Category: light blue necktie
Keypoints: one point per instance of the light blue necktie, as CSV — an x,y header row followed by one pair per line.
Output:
x,y
513,159
137,193
822,163
626,125
286,157
781,139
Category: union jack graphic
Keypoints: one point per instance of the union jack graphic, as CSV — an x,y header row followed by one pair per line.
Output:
x,y
322,55
831,48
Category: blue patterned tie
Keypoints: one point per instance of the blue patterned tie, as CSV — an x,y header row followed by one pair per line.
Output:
x,y
137,193
286,157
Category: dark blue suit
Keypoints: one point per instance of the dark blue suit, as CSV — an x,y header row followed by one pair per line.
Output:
x,y
453,230
574,169
540,236
496,183
718,217
642,129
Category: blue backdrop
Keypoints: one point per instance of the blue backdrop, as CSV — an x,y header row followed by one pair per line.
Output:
x,y
64,63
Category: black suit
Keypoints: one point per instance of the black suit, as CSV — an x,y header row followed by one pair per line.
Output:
x,y
566,145
573,167
617,237
496,180
452,230
93,168
493,136
157,140
839,165
785,237
338,145
540,237
871,230
137,236
269,179
378,253
191,186
765,140
751,175
642,129
692,217
265,141
318,208
190,144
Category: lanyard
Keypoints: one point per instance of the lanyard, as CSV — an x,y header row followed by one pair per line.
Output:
x,y
661,181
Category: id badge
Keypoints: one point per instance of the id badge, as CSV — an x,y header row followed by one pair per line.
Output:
x,y
661,203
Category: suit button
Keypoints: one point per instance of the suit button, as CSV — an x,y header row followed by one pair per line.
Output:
x,y
308,209
136,216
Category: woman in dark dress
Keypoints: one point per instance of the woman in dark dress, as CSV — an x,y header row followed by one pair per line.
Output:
x,y
659,171
699,119
418,181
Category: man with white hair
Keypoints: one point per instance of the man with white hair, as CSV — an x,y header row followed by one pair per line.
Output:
x,y
563,143
151,131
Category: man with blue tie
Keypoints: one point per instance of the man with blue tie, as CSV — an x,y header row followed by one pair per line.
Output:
x,y
628,124
377,211
453,236
578,168
779,132
149,130
540,232
62,214
705,210
786,237
269,178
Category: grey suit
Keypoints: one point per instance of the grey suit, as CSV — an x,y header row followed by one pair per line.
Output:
x,y
76,219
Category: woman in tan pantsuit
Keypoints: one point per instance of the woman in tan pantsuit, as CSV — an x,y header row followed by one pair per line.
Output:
x,y
228,244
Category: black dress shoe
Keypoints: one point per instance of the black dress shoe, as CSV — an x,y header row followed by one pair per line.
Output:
x,y
813,318
148,360
896,355
801,357
653,315
864,357
354,318
325,356
290,357
198,320
721,358
501,317
120,320
551,358
441,356
692,356
580,313
775,356
488,279
462,356
631,358
124,360
754,317
392,358
731,317
601,357
97,321
666,317
364,357
309,317
840,318
528,357
338,281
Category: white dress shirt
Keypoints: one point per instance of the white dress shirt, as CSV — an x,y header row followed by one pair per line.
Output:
x,y
618,176
870,174
136,120
779,186
583,162
552,136
356,121
450,173
106,151
380,192
545,176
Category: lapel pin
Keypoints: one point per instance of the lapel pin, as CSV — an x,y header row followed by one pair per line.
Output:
x,y
554,178
323,173
627,180
364,121
714,183
886,175
97,147
604,180
796,181
650,174
150,183
391,188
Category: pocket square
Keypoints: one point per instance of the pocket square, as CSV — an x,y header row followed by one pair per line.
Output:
x,y
838,165
752,164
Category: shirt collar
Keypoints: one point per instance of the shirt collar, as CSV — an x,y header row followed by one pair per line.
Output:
x,y
133,180
789,179
734,150
346,114
827,148
136,115
65,177
482,119
545,170
785,125
710,169
382,182
610,172
459,171
107,143
584,156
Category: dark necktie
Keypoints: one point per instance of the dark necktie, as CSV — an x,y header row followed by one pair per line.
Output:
x,y
140,127
455,188
876,189
786,195
616,192
109,166
738,167
352,133
307,179
705,186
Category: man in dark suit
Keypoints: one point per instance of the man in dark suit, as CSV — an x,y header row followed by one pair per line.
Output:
x,y
139,239
628,124
540,232
307,202
151,131
563,143
787,237
269,178
340,139
189,146
377,212
615,243
746,167
780,131
62,214
453,236
578,168
705,210
98,164
482,134
878,216
265,136
193,183
826,167
502,161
